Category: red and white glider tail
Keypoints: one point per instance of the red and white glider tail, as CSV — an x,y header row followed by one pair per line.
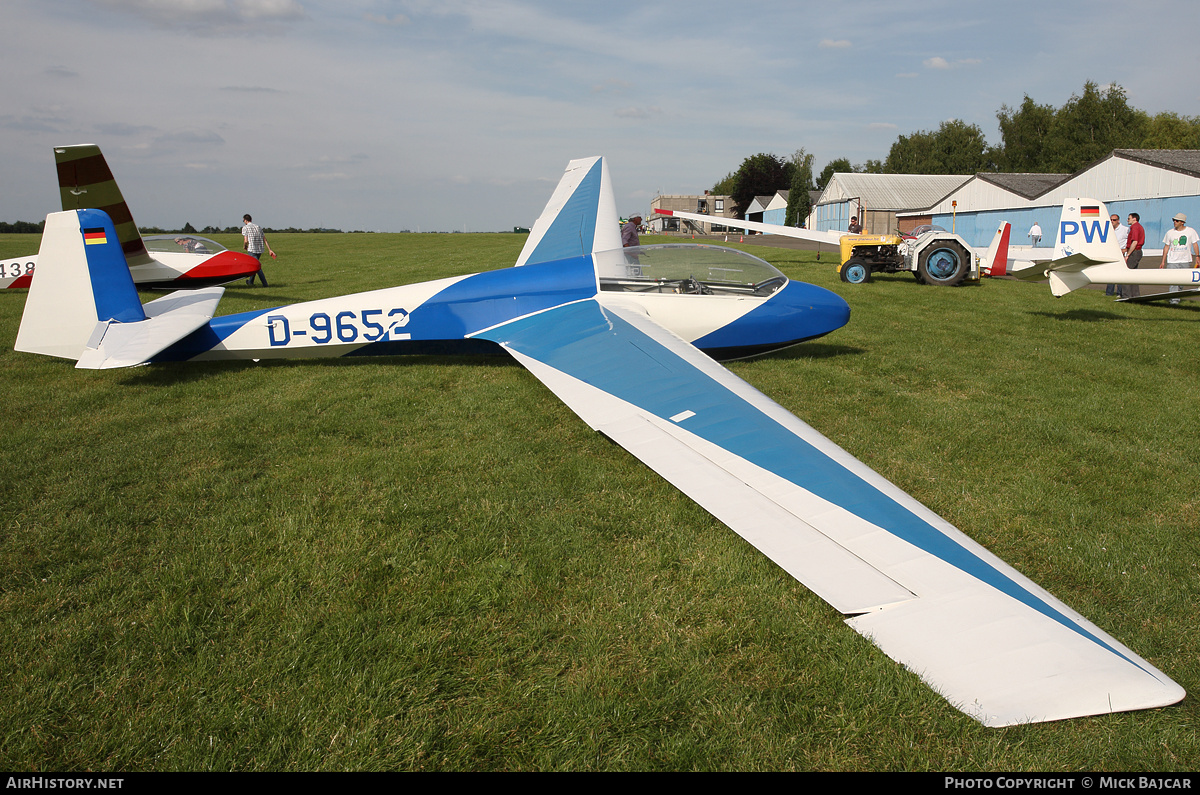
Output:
x,y
995,261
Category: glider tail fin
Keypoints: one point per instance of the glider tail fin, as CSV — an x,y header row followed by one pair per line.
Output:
x,y
1084,229
81,280
83,305
86,183
995,261
580,218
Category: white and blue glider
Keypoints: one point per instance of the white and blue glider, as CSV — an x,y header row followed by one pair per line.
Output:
x,y
621,335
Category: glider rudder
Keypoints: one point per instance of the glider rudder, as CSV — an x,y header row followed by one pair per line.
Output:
x,y
81,280
995,261
85,182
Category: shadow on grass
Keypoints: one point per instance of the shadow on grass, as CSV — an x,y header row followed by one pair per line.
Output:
x,y
811,350
907,277
1082,315
169,373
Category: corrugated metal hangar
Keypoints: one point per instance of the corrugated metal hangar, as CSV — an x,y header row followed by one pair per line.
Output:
x,y
1155,183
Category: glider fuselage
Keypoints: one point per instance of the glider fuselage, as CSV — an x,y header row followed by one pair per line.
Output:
x,y
725,317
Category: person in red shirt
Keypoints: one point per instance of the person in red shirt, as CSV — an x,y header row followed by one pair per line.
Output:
x,y
1133,253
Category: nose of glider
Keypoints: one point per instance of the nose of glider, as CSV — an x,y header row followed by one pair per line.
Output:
x,y
817,311
794,314
222,267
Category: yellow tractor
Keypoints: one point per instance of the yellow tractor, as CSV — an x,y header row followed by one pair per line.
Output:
x,y
932,254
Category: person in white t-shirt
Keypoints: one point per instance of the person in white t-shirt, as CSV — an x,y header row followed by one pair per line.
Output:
x,y
1181,248
1035,234
1122,232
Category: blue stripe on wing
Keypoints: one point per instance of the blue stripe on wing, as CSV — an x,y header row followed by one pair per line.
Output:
x,y
601,349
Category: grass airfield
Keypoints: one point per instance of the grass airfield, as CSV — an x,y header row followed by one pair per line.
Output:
x,y
432,564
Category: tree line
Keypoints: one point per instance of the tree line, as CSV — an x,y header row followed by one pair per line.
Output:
x,y
1033,139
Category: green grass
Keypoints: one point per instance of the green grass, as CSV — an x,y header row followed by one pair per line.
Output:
x,y
433,564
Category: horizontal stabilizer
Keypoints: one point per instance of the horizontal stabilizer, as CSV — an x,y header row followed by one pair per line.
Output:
x,y
1030,272
1145,299
1074,263
168,320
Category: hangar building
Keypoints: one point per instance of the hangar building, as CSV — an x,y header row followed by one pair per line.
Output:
x,y
1155,183
877,198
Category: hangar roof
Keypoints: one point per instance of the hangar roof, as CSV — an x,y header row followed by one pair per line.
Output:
x,y
1024,185
892,191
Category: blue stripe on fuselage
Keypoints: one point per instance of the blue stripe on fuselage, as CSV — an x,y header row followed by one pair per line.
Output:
x,y
493,297
207,337
800,311
453,314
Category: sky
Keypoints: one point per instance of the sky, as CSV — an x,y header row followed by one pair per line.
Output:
x,y
460,115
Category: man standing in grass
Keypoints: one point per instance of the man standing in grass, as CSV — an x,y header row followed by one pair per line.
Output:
x,y
254,241
1181,248
1134,244
1122,233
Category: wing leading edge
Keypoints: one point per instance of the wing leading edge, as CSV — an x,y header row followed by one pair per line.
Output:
x,y
988,639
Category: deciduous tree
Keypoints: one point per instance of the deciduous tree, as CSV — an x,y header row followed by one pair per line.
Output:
x,y
799,202
759,175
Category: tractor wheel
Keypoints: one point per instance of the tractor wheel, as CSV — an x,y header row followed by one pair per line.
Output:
x,y
944,263
855,271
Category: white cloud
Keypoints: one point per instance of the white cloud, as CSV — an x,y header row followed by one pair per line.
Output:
x,y
395,20
881,125
190,137
612,86
245,17
637,113
938,62
834,44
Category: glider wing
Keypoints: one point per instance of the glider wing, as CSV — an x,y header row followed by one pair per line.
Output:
x,y
816,236
992,642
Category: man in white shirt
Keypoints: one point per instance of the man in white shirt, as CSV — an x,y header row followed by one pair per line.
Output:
x,y
1035,234
1122,232
1181,248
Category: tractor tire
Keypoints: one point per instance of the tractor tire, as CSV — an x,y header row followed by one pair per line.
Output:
x,y
855,271
944,263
